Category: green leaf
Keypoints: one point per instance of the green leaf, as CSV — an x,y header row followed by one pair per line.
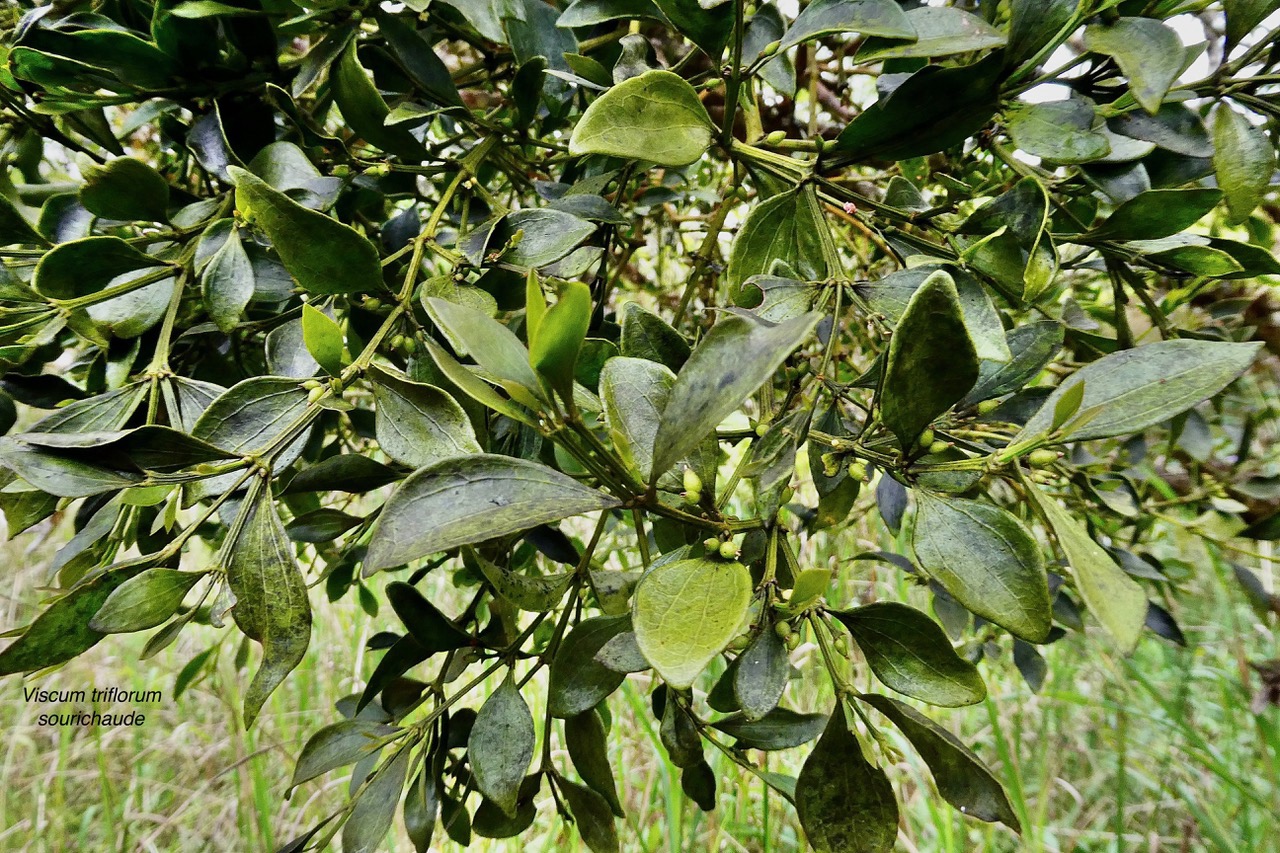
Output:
x,y
736,357
1149,53
962,779
228,283
144,448
421,805
933,109
1244,161
592,815
1058,131
61,632
144,601
931,363
845,805
553,349
364,110
837,17
1067,406
14,227
1137,388
1156,213
634,392
706,23
586,740
373,813
911,654
415,55
546,236
987,560
537,594
320,525
470,499
126,189
655,117
501,746
430,629
60,475
344,473
419,424
1244,15
474,387
1033,345
491,344
271,599
1117,600
324,339
781,728
323,255
939,31
338,745
762,673
646,335
686,612
1033,24
588,13
785,228
577,682
82,267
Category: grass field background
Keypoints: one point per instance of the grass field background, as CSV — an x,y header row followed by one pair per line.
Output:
x,y
1157,752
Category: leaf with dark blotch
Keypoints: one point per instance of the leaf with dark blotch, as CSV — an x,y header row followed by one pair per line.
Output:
x,y
962,779
338,745
586,740
577,683
501,746
987,560
322,254
535,593
911,654
144,601
763,670
845,804
271,599
470,499
622,654
931,363
1137,388
419,424
592,816
735,358
62,631
781,728
376,809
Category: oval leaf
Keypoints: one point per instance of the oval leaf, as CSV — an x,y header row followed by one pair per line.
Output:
x,y
655,117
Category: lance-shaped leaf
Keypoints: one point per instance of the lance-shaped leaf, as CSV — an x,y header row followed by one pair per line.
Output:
x,y
577,682
501,746
962,779
592,815
144,601
432,630
151,447
1244,161
634,392
62,631
373,813
338,745
1116,599
909,652
81,267
364,109
1149,53
845,804
1157,213
781,728
494,347
836,17
554,347
737,356
586,739
322,254
1133,389
1032,346
686,612
655,116
938,31
470,499
271,599
419,424
987,560
931,363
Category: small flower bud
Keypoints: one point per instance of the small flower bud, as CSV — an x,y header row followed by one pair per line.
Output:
x,y
711,544
692,482
314,394
858,469
793,641
782,629
1042,458
771,48
986,407
926,437
776,138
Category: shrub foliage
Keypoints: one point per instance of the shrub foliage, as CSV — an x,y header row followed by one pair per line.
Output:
x,y
347,288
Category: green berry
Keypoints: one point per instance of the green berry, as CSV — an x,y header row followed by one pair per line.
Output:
x,y
372,303
776,138
830,464
740,642
692,482
314,394
939,446
926,437
397,341
792,642
711,544
986,407
782,629
858,469
1042,458
728,550
769,50
762,430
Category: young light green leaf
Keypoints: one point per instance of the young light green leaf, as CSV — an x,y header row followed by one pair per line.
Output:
x,y
577,682
736,357
585,738
1136,388
501,746
271,600
634,392
553,350
655,117
1117,600
836,17
126,189
491,344
470,499
324,339
323,255
686,612
228,283
144,601
1149,53
1067,406
931,363
962,779
909,652
1243,160
418,424
845,805
987,560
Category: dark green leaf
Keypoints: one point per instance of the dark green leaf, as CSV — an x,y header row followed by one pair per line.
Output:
x,y
433,631
762,673
338,745
785,228
344,473
126,189
321,525
1033,24
418,424
592,815
845,804
706,23
586,741
1157,213
939,31
86,266
1058,131
837,17
577,682
1033,345
367,826
365,111
501,746
588,13
144,601
781,728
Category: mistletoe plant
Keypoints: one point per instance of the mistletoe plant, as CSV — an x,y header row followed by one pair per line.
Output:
x,y
347,288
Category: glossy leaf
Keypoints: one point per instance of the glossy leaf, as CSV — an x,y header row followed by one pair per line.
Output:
x,y
655,117
939,31
127,189
835,17
784,228
1059,131
324,339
